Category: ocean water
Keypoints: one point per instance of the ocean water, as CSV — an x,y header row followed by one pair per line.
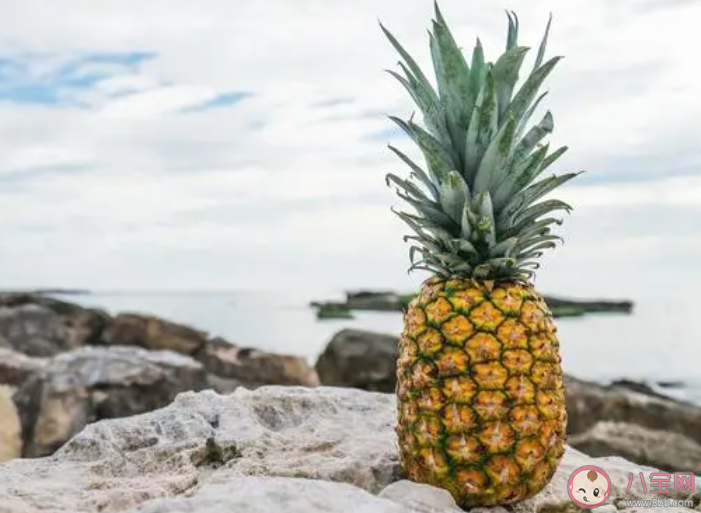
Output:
x,y
653,344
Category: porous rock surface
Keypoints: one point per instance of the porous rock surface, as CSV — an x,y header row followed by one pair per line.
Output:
x,y
94,383
292,449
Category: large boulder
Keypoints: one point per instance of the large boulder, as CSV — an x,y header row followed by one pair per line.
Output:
x,y
94,383
10,428
360,359
16,367
292,449
79,326
154,333
231,366
633,421
33,330
665,450
589,403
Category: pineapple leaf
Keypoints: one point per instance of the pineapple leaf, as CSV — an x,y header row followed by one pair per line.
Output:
x,y
533,137
543,242
547,161
525,229
432,213
453,79
465,246
427,102
421,225
466,223
533,212
485,223
512,36
495,158
534,192
478,68
438,158
543,44
524,97
409,188
411,63
417,171
454,194
519,177
504,247
523,122
505,73
483,126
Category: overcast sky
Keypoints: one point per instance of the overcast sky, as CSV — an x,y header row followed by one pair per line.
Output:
x,y
218,144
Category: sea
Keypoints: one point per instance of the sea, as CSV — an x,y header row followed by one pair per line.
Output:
x,y
653,344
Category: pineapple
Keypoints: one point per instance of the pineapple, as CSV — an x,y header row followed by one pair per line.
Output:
x,y
481,409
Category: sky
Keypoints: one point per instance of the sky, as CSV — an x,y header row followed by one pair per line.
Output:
x,y
213,145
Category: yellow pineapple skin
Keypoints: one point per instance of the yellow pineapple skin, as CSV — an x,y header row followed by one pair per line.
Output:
x,y
481,407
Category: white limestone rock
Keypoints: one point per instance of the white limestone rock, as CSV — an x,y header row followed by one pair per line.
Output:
x,y
292,449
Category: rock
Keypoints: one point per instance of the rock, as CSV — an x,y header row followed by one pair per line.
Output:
x,y
292,449
10,428
33,330
16,367
278,494
93,383
252,367
82,326
361,359
150,332
667,451
589,403
637,386
420,497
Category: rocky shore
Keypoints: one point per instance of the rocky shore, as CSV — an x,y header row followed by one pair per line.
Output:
x,y
388,301
135,413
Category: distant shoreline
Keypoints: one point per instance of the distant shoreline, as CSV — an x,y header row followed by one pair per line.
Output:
x,y
43,292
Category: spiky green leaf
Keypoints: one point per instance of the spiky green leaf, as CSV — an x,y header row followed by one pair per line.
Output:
x,y
483,127
438,159
506,72
494,162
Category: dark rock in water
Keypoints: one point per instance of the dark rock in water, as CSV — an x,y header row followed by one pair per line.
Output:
x,y
360,359
636,386
670,384
153,333
94,383
231,366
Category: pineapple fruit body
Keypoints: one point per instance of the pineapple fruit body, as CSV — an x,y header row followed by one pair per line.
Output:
x,y
479,389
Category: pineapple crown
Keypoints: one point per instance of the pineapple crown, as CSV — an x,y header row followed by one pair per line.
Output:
x,y
476,212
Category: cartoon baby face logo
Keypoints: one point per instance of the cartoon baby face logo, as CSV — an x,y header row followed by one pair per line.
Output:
x,y
589,487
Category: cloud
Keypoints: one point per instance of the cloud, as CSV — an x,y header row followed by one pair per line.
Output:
x,y
171,145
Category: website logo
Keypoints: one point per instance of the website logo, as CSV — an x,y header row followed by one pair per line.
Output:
x,y
589,487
